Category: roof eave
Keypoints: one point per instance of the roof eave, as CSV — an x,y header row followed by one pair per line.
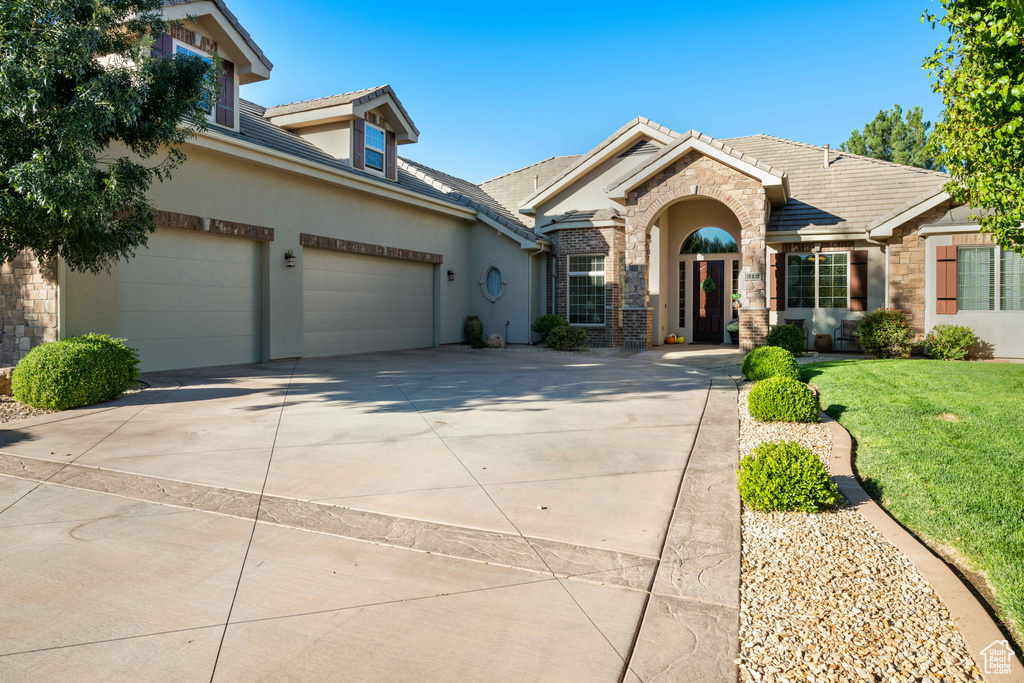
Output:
x,y
224,28
884,227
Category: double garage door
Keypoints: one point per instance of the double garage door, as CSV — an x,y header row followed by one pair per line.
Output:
x,y
192,300
357,304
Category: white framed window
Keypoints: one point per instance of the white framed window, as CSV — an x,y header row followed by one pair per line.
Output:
x,y
1011,281
492,282
976,278
586,289
374,147
190,51
818,280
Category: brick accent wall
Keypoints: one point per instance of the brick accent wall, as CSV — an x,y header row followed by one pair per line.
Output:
x,y
367,249
906,254
184,221
609,241
28,292
753,328
972,238
192,38
805,247
698,175
637,329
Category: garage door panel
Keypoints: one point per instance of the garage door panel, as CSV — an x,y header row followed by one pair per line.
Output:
x,y
192,300
354,303
188,298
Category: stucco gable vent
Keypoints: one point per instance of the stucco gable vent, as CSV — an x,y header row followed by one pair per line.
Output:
x,y
641,147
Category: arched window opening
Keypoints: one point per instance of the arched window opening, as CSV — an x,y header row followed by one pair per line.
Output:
x,y
709,241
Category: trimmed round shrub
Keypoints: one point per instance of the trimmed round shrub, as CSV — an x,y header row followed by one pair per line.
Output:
x,y
789,337
884,333
785,477
75,372
950,342
770,361
568,338
546,323
781,399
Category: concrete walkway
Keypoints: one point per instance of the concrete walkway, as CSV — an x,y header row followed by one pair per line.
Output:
x,y
474,516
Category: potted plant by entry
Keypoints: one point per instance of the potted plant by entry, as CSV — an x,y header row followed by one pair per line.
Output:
x,y
736,300
733,329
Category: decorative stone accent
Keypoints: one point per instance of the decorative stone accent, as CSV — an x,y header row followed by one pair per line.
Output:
x,y
28,291
194,39
753,327
972,238
6,375
804,247
367,249
178,221
696,175
495,341
609,241
246,230
906,254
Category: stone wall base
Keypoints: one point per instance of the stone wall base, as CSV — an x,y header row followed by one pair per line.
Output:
x,y
753,327
28,297
637,329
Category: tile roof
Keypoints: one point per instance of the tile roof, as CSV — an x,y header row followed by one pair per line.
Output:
x,y
469,194
234,22
356,97
512,188
852,193
254,128
589,215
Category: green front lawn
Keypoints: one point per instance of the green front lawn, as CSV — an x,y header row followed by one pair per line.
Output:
x,y
941,446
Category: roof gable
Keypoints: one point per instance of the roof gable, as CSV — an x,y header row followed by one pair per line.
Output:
x,y
346,106
773,180
216,19
620,141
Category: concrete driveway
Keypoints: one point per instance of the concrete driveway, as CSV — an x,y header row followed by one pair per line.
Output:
x,y
418,516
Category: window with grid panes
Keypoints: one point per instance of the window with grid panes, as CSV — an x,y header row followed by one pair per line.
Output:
x,y
586,289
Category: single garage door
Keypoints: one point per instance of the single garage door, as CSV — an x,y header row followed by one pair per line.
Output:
x,y
192,300
355,304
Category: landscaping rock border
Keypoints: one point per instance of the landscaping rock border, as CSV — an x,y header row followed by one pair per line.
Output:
x,y
975,624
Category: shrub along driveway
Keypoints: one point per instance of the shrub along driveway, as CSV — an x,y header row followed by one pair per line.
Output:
x,y
538,490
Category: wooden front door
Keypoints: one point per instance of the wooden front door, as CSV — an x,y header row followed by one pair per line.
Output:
x,y
708,315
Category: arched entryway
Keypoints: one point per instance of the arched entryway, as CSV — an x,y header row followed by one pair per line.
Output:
x,y
696,265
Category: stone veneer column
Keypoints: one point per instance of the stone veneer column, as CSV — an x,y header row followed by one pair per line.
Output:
x,y
28,292
696,175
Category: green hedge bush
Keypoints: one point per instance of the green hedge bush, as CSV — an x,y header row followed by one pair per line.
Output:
x,y
785,477
769,361
75,372
546,323
781,399
789,337
950,342
884,333
568,338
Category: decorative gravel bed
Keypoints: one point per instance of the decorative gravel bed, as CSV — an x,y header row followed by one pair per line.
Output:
x,y
11,410
826,598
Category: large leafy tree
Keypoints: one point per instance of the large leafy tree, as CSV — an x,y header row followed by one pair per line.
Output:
x,y
78,80
979,71
893,137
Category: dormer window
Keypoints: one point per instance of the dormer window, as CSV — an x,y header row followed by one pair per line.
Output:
x,y
189,51
374,147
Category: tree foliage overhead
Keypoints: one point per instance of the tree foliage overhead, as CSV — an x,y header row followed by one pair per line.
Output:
x,y
891,137
979,71
77,76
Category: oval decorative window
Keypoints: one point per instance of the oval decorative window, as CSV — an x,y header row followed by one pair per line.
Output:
x,y
492,282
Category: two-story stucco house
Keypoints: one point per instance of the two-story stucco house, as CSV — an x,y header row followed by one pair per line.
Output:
x,y
299,231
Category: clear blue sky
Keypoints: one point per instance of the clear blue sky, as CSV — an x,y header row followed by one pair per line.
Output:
x,y
497,86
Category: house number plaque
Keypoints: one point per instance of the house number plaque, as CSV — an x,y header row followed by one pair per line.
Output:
x,y
753,277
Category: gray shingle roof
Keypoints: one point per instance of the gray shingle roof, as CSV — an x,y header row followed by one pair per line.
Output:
x,y
511,189
852,193
356,97
255,129
469,194
234,22
588,215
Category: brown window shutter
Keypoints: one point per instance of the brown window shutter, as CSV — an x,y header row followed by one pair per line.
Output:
x,y
778,298
859,280
226,97
945,280
390,156
359,143
163,46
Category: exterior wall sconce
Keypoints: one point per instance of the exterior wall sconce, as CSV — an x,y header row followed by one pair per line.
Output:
x,y
289,258
451,276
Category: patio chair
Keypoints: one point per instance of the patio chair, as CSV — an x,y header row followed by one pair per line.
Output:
x,y
846,332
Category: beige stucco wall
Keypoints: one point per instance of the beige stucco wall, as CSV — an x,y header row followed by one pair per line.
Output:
x,y
214,185
1000,329
589,191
